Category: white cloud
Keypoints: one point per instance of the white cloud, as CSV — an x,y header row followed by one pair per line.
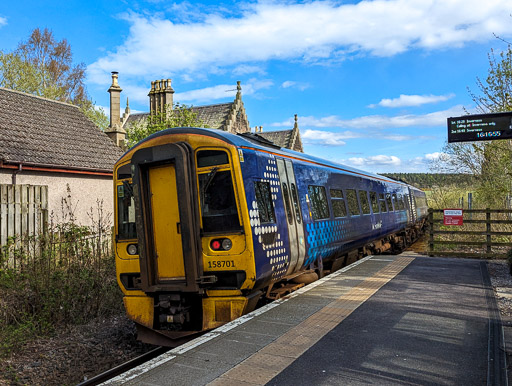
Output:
x,y
268,30
245,69
437,118
379,160
3,21
292,84
434,156
412,100
327,138
208,94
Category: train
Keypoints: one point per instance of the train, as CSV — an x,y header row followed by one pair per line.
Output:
x,y
209,224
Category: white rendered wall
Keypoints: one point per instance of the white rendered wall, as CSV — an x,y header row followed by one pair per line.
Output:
x,y
85,191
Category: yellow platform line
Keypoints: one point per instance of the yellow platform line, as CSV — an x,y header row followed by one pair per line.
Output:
x,y
267,363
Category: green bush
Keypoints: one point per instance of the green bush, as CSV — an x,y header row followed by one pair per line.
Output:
x,y
63,277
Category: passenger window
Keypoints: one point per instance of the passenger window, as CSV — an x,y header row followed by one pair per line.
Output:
x,y
375,202
264,201
353,206
400,202
218,204
296,204
286,198
207,158
338,203
318,198
382,203
395,201
388,201
363,199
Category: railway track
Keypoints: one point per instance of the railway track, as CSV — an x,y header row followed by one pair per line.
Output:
x,y
109,374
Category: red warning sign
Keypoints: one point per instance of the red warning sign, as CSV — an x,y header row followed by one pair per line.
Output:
x,y
452,216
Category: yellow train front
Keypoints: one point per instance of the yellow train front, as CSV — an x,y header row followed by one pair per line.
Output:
x,y
182,272
208,222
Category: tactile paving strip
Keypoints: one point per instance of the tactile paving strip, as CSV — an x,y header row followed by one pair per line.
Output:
x,y
267,363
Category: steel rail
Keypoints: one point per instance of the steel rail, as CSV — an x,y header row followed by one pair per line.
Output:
x,y
115,371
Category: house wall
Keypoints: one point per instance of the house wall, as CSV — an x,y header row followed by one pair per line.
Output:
x,y
85,191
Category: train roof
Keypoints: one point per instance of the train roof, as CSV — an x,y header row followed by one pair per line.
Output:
x,y
252,140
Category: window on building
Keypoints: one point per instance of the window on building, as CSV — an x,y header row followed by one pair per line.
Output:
x,y
318,199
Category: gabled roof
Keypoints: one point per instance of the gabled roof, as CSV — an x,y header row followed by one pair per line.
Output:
x,y
281,138
41,132
289,139
213,116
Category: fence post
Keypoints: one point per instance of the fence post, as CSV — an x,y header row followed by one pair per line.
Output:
x,y
431,230
488,229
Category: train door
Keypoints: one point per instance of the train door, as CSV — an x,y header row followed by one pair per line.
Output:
x,y
165,192
163,195
293,213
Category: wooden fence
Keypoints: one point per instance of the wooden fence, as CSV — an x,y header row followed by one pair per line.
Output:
x,y
486,233
23,211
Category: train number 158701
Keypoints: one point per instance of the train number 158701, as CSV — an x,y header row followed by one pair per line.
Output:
x,y
221,264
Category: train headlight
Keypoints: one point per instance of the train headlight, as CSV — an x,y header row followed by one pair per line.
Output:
x,y
221,244
226,244
132,249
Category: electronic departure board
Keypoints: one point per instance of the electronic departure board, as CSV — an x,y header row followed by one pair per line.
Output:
x,y
481,127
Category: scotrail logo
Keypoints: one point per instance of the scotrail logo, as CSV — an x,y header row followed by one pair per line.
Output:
x,y
377,225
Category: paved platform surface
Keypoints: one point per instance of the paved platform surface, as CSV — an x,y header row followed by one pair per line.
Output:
x,y
403,319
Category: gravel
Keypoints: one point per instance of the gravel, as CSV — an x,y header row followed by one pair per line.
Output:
x,y
74,355
84,351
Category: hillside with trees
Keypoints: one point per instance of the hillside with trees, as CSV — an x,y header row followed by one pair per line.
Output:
x,y
427,181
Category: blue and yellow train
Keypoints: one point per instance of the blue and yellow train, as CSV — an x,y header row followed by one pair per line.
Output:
x,y
208,223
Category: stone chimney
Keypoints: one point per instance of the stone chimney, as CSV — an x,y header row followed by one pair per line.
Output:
x,y
160,96
115,131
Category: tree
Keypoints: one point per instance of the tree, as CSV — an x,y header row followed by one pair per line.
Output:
x,y
44,67
489,161
496,91
179,116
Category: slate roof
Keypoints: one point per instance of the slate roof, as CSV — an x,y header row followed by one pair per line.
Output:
x,y
42,132
213,116
281,138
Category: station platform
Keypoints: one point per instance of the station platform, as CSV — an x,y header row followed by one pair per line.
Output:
x,y
389,319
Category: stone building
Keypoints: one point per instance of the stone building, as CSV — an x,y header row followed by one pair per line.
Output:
x,y
223,116
229,116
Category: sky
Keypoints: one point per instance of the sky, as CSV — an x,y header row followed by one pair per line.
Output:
x,y
372,82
